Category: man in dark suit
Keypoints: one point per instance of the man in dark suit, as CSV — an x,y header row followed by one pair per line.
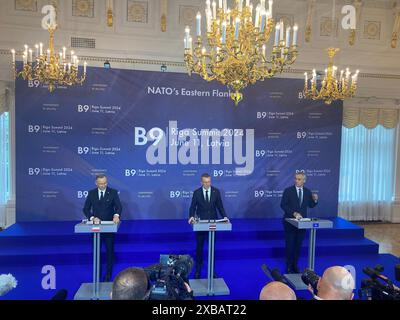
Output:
x,y
103,204
295,201
206,202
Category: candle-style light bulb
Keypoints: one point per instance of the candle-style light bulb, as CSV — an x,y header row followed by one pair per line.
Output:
x,y
282,30
356,75
263,20
13,55
277,33
237,28
295,33
214,10
288,31
240,5
198,22
190,44
257,19
305,80
187,33
223,38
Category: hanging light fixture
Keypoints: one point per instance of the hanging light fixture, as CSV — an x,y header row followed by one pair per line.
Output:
x,y
235,49
331,87
46,66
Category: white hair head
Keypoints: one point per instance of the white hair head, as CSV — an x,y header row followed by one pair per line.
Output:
x,y
7,283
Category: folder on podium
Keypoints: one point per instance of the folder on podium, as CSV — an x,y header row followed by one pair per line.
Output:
x,y
210,286
95,290
313,225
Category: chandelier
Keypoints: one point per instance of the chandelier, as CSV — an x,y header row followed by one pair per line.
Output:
x,y
331,88
48,67
235,50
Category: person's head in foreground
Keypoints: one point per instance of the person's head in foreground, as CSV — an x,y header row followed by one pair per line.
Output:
x,y
336,283
130,284
277,291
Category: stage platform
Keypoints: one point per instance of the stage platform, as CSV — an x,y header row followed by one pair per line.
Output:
x,y
26,247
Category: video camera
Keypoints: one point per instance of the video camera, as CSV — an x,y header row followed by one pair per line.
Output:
x,y
168,278
378,286
310,278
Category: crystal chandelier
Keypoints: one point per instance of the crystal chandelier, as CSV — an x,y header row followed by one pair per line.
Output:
x,y
235,49
48,67
331,87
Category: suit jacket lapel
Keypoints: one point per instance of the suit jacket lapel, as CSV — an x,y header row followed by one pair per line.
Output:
x,y
202,195
296,196
97,195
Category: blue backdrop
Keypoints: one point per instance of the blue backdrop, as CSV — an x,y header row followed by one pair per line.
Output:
x,y
154,133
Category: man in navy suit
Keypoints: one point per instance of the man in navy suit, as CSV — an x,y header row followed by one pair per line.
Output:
x,y
206,202
295,201
103,204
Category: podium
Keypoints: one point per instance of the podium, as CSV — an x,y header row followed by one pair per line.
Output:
x,y
95,290
210,286
313,225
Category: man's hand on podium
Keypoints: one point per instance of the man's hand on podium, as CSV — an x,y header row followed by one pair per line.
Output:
x,y
96,221
297,216
116,219
191,220
188,288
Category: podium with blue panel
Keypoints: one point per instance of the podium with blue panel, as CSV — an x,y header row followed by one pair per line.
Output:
x,y
210,286
95,290
313,225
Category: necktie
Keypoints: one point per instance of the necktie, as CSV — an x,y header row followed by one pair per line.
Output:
x,y
207,199
300,197
101,196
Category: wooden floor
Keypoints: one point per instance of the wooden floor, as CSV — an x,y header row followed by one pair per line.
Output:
x,y
386,234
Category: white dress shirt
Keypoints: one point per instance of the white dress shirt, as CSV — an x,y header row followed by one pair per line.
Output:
x,y
99,191
209,194
302,193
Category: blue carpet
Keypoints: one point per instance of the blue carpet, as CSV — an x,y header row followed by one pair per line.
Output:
x,y
26,247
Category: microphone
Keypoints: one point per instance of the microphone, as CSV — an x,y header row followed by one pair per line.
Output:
x,y
267,272
60,295
371,273
277,276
